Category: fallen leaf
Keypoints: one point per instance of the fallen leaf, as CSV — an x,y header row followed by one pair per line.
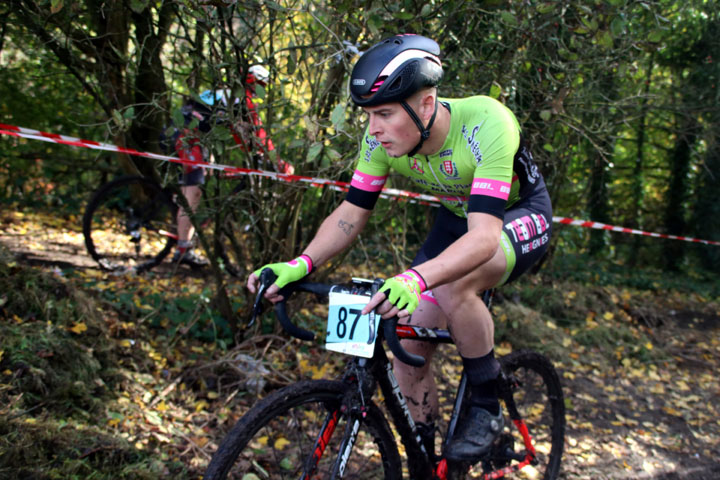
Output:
x,y
281,443
78,328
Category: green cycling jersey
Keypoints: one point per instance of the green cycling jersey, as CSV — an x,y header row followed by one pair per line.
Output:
x,y
483,165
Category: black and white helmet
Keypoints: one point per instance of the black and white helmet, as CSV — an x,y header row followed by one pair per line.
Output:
x,y
260,73
394,69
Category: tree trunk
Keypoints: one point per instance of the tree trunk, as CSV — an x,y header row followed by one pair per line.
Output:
x,y
637,180
707,208
678,193
151,100
598,203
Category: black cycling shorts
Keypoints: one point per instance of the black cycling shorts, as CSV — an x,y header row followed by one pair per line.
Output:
x,y
524,240
190,177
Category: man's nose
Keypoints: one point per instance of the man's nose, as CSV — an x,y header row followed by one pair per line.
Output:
x,y
374,127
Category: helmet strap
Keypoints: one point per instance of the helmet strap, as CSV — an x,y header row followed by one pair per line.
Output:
x,y
424,131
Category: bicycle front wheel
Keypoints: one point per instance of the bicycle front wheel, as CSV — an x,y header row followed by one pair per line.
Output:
x,y
537,395
277,438
129,224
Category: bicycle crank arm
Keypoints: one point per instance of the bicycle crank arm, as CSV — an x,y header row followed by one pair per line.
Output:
x,y
510,454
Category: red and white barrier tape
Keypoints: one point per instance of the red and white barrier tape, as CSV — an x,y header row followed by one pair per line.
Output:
x,y
316,182
612,228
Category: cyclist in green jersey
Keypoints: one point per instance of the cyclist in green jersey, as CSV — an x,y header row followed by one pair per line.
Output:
x,y
494,222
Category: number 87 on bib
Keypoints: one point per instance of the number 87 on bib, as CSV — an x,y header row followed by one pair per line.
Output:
x,y
347,330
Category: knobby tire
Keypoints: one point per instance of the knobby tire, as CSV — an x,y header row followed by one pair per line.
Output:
x,y
537,394
276,437
129,223
539,398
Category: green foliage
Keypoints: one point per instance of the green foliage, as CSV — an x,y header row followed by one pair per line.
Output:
x,y
605,93
606,273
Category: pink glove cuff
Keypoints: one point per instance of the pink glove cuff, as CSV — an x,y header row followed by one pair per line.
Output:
x,y
415,275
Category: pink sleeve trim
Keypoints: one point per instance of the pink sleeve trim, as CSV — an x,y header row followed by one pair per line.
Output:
x,y
490,188
368,183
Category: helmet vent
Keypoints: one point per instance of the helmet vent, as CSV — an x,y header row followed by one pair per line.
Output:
x,y
408,72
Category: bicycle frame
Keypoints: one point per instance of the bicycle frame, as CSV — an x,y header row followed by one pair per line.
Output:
x,y
365,375
368,374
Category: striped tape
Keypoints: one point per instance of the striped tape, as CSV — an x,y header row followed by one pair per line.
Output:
x,y
633,231
229,170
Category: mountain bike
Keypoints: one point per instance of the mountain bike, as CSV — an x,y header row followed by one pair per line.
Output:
x,y
129,224
340,429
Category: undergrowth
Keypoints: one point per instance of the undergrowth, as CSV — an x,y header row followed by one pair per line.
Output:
x,y
55,348
46,448
110,380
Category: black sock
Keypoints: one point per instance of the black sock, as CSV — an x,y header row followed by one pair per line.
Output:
x,y
482,373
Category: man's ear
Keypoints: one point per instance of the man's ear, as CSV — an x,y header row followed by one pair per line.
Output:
x,y
427,104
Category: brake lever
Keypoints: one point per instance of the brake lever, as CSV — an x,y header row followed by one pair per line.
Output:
x,y
267,277
373,290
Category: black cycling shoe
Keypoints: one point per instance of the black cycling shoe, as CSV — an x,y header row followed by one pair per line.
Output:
x,y
189,258
474,438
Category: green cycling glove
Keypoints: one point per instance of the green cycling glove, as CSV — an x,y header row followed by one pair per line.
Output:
x,y
404,290
289,272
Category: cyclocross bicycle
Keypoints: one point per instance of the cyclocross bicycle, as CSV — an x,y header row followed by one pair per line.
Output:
x,y
130,224
339,428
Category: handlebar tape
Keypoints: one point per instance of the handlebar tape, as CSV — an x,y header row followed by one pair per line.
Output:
x,y
400,353
281,310
288,326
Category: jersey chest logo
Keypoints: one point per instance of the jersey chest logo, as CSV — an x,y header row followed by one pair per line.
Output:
x,y
416,165
450,170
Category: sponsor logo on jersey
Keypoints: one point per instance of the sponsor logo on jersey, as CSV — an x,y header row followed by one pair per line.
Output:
x,y
473,144
416,165
449,169
526,160
372,145
446,153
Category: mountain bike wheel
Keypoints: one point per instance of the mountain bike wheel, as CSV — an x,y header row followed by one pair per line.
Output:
x,y
276,438
129,224
537,395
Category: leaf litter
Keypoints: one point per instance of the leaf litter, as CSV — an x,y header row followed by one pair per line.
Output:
x,y
154,401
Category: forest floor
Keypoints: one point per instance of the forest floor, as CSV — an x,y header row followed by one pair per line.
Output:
x,y
638,367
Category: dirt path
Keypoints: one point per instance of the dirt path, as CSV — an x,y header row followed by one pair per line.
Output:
x,y
626,420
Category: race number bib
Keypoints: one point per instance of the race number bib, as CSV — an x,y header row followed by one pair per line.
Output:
x,y
347,330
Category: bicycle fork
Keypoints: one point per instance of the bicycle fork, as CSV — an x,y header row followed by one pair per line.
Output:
x,y
351,431
322,441
352,407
